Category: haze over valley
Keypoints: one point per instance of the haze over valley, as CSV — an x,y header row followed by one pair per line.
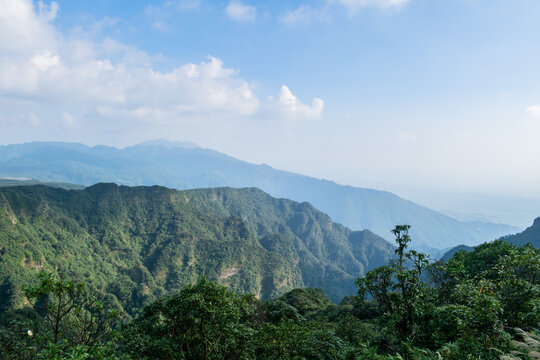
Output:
x,y
186,166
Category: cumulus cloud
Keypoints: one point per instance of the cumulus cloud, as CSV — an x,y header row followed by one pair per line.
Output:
x,y
105,79
534,111
238,11
45,60
24,28
292,106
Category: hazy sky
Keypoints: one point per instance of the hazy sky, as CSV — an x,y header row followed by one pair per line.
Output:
x,y
392,94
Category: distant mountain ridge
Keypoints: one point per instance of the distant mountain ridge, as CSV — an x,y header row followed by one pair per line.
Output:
x,y
530,235
183,166
140,243
4,182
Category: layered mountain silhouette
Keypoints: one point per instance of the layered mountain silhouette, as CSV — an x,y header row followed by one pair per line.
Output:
x,y
183,165
531,236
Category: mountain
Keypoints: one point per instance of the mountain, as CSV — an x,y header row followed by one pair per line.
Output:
x,y
140,243
448,255
27,182
184,166
531,235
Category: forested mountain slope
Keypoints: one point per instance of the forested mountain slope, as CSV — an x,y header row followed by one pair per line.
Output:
x,y
140,243
185,166
530,235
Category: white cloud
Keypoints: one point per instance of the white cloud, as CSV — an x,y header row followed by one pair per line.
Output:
x,y
302,15
160,16
22,29
105,79
45,60
291,105
534,111
238,11
354,6
48,12
306,13
68,119
160,25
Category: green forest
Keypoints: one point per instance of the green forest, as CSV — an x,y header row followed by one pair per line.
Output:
x,y
142,243
116,272
483,304
269,180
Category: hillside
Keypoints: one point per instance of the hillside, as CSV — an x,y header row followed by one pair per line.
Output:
x,y
448,255
4,182
531,235
185,166
140,243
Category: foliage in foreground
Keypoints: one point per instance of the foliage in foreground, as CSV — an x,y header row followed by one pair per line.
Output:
x,y
483,304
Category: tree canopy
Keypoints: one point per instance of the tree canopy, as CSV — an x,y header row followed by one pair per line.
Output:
x,y
482,304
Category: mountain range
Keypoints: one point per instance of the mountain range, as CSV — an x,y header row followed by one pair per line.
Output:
x,y
141,243
530,235
183,165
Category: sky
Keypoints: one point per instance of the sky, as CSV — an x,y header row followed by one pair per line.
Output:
x,y
418,97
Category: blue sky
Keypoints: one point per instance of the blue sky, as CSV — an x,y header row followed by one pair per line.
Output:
x,y
412,96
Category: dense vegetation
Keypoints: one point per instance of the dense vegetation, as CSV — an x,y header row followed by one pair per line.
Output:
x,y
483,304
185,166
142,243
